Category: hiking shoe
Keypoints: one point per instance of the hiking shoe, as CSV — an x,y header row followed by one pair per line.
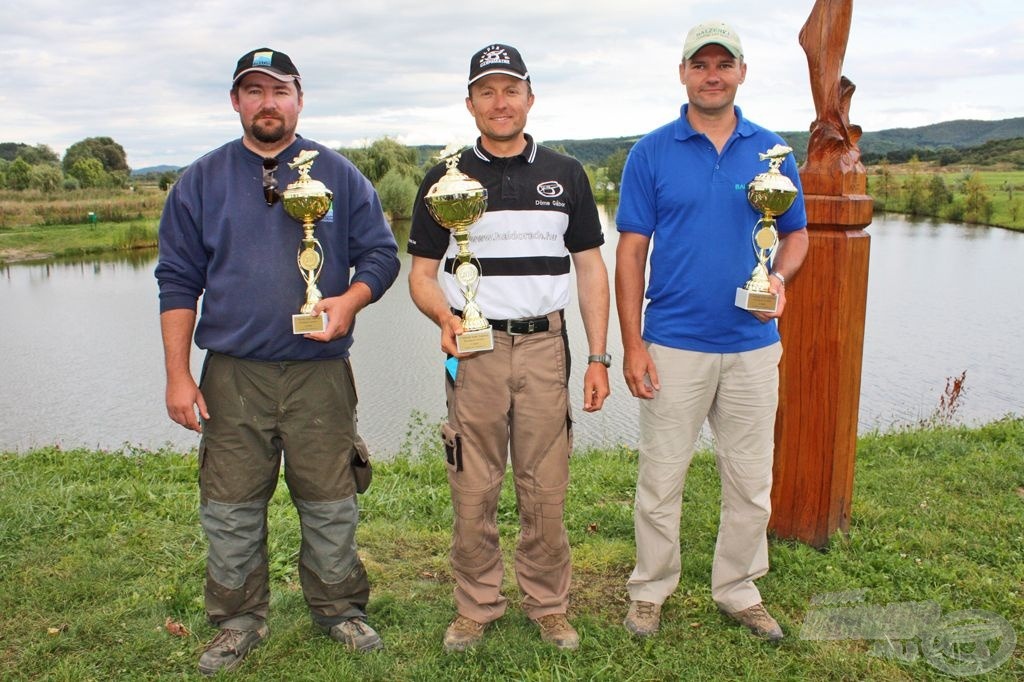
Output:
x,y
759,621
356,634
555,628
643,619
463,633
229,647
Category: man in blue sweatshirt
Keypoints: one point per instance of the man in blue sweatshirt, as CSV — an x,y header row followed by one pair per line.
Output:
x,y
267,393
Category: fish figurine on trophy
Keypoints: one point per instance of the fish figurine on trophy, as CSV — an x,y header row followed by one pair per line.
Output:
x,y
771,193
456,201
307,201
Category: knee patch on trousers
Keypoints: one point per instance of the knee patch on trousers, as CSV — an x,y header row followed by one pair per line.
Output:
x,y
475,536
237,540
544,541
329,537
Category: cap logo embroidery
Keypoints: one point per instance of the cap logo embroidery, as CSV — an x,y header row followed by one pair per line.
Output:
x,y
263,59
550,189
494,55
715,31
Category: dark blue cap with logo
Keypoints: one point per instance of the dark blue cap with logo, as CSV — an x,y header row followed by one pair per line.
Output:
x,y
264,60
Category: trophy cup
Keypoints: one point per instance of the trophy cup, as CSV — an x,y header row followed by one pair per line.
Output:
x,y
771,193
456,201
307,201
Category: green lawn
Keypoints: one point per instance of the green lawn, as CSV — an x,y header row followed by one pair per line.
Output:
x,y
99,551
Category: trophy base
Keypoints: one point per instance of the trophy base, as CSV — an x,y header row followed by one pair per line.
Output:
x,y
477,340
759,301
309,324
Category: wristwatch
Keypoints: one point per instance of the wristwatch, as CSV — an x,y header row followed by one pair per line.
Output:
x,y
605,359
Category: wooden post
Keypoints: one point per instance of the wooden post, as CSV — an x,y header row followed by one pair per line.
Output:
x,y
823,324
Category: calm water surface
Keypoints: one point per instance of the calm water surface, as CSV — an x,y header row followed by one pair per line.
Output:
x,y
82,363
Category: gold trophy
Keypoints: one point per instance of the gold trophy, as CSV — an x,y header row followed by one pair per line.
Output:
x,y
307,201
456,201
771,193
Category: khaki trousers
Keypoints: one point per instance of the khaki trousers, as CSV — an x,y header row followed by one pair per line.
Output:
x,y
511,401
738,394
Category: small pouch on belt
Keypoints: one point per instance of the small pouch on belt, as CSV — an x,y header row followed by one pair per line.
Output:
x,y
452,447
361,467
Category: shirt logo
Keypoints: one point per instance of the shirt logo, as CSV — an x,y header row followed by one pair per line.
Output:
x,y
550,189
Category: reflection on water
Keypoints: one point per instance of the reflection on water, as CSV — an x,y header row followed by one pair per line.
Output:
x,y
83,365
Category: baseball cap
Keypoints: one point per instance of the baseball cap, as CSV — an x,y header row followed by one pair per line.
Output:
x,y
712,32
276,64
497,59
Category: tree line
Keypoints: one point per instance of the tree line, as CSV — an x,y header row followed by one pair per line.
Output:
x,y
395,170
95,162
918,193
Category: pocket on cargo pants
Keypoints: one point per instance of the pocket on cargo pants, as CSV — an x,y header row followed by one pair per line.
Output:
x,y
452,447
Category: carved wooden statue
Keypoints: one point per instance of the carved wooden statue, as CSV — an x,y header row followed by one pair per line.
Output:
x,y
823,328
833,164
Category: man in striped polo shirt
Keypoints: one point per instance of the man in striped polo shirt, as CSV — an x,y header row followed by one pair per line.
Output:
x,y
513,400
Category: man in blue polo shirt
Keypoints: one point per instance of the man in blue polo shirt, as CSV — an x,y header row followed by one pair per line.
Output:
x,y
700,356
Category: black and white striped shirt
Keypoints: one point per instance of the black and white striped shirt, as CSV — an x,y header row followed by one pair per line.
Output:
x,y
540,209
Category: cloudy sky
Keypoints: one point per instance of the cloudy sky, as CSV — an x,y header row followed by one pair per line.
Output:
x,y
155,75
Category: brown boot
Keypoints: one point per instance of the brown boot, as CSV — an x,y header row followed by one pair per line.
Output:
x,y
759,621
463,633
229,647
555,628
643,619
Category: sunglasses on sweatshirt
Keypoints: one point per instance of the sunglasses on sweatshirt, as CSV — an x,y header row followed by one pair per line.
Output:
x,y
270,192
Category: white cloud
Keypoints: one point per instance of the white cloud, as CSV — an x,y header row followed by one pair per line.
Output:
x,y
155,76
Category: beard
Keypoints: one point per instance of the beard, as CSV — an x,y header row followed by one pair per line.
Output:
x,y
269,130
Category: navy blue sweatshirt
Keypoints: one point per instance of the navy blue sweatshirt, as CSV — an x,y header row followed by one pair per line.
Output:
x,y
219,239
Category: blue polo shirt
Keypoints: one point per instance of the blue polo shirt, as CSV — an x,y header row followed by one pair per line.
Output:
x,y
692,202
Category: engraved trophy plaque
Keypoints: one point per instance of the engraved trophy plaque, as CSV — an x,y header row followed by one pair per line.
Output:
x,y
307,201
456,201
771,193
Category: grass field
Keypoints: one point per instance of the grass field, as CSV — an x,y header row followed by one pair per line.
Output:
x,y
35,226
101,558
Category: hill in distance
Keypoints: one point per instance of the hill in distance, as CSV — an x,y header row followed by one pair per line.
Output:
x,y
155,170
959,134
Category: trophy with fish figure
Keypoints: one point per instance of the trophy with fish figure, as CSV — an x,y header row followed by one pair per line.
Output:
x,y
771,193
456,201
307,201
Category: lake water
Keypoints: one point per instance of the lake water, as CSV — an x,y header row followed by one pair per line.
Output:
x,y
82,363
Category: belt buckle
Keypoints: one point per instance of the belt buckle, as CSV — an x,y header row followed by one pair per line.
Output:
x,y
531,327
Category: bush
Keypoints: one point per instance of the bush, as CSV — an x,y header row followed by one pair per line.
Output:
x,y
397,193
135,236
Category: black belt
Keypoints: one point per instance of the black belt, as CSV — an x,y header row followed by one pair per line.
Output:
x,y
524,325
518,327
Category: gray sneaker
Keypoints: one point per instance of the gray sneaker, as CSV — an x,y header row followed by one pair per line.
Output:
x,y
759,621
356,634
643,619
229,647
